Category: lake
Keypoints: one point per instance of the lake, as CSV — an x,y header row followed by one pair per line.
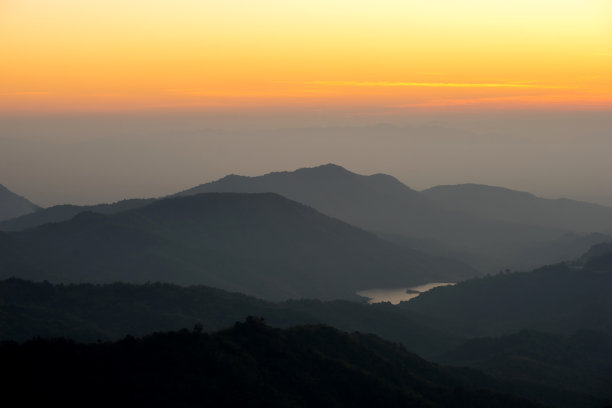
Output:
x,y
397,295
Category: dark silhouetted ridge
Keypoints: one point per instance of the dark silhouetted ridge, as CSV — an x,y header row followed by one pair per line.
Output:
x,y
558,298
250,364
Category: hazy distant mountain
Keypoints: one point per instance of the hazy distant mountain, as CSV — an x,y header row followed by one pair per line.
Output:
x,y
59,213
519,207
383,204
559,298
13,205
378,203
564,248
372,202
259,244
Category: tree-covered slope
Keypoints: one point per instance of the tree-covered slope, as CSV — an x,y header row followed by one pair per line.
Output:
x,y
87,312
248,365
580,363
559,298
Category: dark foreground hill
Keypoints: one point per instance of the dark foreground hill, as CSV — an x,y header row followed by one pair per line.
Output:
x,y
257,244
559,298
555,370
248,365
13,205
580,363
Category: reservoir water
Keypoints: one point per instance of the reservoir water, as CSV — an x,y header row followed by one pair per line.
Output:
x,y
397,295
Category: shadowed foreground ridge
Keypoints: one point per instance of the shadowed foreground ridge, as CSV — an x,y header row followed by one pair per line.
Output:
x,y
559,298
248,365
86,313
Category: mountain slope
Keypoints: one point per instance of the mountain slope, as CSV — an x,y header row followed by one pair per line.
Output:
x,y
13,205
580,363
382,204
87,312
59,213
248,365
564,371
519,207
559,298
259,244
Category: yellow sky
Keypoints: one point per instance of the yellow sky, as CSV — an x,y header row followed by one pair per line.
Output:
x,y
387,55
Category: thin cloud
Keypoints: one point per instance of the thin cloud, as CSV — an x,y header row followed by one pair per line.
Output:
x,y
437,84
293,93
22,93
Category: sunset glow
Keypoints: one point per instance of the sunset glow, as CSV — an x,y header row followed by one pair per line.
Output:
x,y
389,55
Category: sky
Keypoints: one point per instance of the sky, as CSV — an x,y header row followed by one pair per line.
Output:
x,y
377,57
102,100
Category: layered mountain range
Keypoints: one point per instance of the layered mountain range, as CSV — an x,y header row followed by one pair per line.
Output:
x,y
259,244
489,228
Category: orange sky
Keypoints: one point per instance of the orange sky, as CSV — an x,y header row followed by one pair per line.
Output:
x,y
387,55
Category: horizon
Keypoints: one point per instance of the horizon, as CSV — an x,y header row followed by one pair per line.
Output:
x,y
88,159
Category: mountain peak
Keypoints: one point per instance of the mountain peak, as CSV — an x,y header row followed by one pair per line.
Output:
x,y
327,169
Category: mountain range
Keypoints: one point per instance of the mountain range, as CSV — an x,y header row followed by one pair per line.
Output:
x,y
489,228
429,222
258,244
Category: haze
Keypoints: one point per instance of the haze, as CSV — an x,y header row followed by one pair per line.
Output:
x,y
107,157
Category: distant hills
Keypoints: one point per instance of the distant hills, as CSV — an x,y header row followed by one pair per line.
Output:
x,y
257,244
507,205
379,203
490,228
13,205
250,364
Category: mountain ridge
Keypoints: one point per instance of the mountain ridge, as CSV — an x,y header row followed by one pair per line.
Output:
x,y
259,244
13,205
509,205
